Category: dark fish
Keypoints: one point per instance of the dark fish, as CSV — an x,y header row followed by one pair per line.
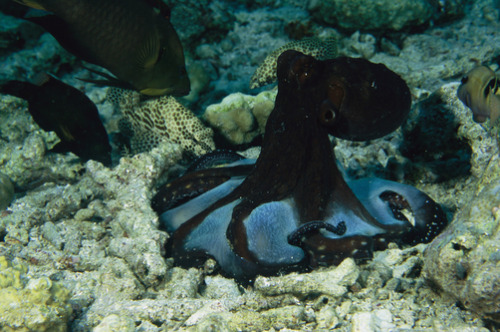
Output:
x,y
128,37
56,106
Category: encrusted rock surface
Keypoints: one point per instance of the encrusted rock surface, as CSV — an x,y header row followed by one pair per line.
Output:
x,y
31,304
383,14
239,117
464,260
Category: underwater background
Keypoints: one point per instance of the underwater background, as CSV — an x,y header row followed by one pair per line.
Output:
x,y
80,245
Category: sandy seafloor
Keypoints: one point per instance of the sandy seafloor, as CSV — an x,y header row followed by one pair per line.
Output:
x,y
80,247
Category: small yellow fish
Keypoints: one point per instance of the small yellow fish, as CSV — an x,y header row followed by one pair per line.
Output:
x,y
128,37
480,92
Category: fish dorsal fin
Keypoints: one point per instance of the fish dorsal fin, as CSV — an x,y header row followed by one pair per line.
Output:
x,y
150,52
31,3
59,29
108,81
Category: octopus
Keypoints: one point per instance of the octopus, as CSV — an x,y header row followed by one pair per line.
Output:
x,y
479,91
292,209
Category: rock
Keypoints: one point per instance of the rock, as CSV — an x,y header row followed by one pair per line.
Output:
x,y
212,322
291,317
115,323
378,320
217,287
182,283
239,117
192,20
31,304
168,313
136,237
463,260
327,318
51,234
331,281
440,159
208,313
382,14
360,45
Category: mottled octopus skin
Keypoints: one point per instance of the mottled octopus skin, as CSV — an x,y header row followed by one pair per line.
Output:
x,y
293,209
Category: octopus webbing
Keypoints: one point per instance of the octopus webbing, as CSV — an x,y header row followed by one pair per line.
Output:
x,y
291,208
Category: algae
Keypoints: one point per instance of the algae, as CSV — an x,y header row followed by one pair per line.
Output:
x,y
31,304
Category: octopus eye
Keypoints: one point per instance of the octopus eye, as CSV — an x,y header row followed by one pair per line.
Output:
x,y
302,69
464,79
327,113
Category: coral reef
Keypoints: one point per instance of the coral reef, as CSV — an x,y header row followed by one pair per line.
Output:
x,y
231,58
153,120
382,14
31,304
320,49
187,15
359,44
463,261
239,117
23,149
90,229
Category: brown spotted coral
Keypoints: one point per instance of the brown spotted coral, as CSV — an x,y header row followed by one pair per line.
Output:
x,y
151,121
320,49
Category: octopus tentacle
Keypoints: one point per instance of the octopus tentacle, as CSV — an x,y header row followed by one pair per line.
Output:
x,y
292,208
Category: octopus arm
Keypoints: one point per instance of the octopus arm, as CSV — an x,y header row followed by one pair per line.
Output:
x,y
413,216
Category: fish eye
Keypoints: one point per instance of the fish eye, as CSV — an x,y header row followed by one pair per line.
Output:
x,y
464,79
491,87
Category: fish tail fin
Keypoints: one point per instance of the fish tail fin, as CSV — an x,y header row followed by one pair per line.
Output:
x,y
18,89
36,4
